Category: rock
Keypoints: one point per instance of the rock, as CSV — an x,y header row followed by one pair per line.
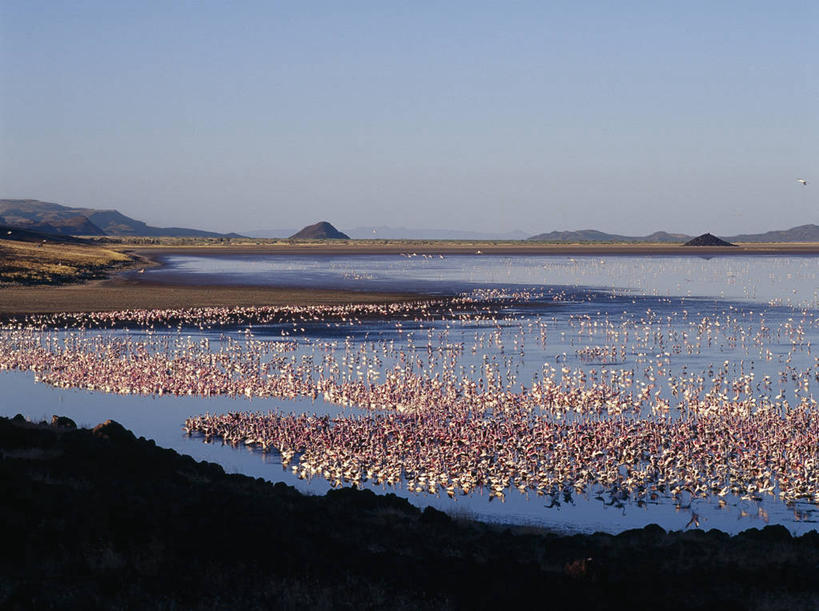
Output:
x,y
433,516
63,422
654,530
776,532
580,569
650,533
772,532
360,499
114,431
320,231
708,239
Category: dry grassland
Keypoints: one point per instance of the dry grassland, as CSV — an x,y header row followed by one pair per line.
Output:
x,y
45,263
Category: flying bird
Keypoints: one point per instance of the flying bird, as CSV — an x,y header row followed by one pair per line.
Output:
x,y
803,181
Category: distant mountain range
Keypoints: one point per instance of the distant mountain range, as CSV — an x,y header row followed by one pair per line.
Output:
x,y
802,233
383,232
46,217
592,235
50,218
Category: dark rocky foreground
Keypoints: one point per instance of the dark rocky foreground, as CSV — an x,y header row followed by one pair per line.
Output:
x,y
100,519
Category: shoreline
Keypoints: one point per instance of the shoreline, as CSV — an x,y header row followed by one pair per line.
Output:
x,y
124,290
431,247
116,294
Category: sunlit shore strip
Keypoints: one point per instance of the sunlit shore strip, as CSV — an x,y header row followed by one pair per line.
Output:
x,y
120,295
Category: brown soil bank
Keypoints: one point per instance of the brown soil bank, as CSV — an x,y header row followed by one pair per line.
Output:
x,y
116,295
104,520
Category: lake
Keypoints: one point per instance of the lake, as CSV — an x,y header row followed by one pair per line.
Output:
x,y
542,370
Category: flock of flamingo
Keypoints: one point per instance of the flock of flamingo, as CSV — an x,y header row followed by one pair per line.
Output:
x,y
456,396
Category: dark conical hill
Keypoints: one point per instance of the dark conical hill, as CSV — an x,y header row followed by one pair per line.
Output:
x,y
320,231
707,239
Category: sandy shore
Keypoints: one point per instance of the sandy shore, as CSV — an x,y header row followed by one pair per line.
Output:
x,y
114,295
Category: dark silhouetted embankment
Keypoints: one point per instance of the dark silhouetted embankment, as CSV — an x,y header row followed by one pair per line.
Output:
x,y
101,519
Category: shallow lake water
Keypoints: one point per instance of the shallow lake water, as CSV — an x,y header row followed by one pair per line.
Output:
x,y
665,317
790,280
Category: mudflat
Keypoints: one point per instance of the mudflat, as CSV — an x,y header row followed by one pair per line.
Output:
x,y
112,295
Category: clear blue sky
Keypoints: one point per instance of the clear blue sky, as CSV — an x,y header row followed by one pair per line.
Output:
x,y
622,116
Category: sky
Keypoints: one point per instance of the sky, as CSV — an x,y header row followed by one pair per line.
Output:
x,y
627,117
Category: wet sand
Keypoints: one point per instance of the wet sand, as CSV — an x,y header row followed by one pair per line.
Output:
x,y
112,295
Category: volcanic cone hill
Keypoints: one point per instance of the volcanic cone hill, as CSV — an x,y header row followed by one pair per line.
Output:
x,y
320,231
707,239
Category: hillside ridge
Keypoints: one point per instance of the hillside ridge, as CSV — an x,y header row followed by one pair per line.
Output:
x,y
801,233
58,219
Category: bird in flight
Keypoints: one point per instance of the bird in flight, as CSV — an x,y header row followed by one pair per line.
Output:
x,y
803,181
